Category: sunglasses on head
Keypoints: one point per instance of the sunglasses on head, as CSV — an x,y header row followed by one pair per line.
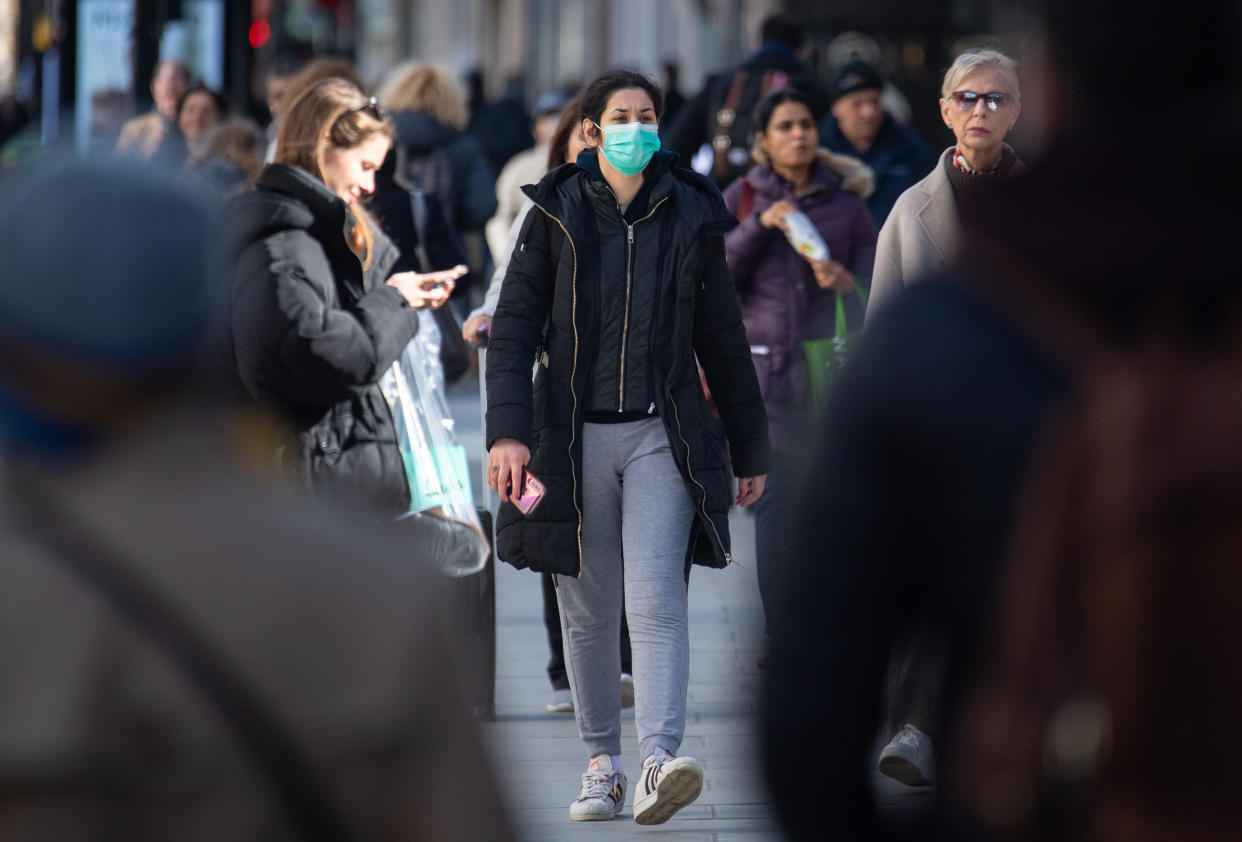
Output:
x,y
966,100
372,105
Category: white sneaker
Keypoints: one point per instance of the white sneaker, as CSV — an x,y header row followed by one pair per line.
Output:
x,y
668,784
561,701
908,758
603,793
627,690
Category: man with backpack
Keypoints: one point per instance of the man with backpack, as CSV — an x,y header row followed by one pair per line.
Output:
x,y
712,131
1079,298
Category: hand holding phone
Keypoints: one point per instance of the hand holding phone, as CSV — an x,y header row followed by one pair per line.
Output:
x,y
530,495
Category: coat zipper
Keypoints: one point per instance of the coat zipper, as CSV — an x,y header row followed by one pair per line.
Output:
x,y
629,278
703,499
573,318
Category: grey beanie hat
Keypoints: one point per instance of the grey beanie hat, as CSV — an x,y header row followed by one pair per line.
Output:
x,y
105,262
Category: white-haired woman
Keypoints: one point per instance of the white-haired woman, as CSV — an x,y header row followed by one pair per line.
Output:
x,y
980,102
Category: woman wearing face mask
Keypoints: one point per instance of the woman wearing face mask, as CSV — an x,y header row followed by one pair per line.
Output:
x,y
567,141
316,317
618,282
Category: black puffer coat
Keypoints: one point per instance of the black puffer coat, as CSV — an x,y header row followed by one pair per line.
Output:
x,y
311,332
550,309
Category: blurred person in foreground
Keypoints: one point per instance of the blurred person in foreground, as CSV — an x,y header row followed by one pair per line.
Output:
x,y
566,143
788,298
980,101
618,284
316,313
935,418
712,132
189,652
859,126
144,135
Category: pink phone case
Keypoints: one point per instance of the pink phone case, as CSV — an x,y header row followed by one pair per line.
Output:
x,y
532,493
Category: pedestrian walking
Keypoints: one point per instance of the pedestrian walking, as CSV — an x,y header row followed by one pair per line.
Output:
x,y
567,141
859,125
979,102
316,315
618,282
788,297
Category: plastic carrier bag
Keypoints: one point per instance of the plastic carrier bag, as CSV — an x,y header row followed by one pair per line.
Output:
x,y
435,464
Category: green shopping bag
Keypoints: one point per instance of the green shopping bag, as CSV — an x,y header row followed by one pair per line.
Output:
x,y
825,357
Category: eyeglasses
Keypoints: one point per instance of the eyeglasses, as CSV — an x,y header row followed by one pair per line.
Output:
x,y
372,105
994,101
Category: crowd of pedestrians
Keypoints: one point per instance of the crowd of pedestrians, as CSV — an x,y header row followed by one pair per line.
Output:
x,y
659,270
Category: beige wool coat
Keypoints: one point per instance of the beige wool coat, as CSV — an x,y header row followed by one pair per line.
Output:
x,y
920,236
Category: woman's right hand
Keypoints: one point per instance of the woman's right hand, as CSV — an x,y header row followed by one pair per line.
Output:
x,y
774,216
505,463
427,290
475,326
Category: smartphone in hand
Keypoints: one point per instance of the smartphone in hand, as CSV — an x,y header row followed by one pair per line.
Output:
x,y
531,493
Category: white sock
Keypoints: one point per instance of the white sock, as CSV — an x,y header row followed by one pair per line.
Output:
x,y
616,761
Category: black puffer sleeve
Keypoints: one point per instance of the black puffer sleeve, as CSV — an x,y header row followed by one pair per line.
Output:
x,y
517,327
721,346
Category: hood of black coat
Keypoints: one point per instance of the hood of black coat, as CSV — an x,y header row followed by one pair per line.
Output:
x,y
288,197
419,132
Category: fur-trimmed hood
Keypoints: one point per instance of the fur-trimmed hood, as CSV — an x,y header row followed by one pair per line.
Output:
x,y
855,176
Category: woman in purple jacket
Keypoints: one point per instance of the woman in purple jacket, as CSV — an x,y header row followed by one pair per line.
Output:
x,y
788,298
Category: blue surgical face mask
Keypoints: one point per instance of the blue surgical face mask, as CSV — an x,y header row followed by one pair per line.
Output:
x,y
629,146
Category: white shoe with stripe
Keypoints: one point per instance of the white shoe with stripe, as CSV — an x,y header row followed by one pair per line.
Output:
x,y
668,783
603,793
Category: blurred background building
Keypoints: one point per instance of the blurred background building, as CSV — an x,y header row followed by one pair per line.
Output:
x,y
76,68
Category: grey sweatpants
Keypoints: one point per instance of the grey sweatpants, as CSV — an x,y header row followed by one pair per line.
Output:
x,y
635,526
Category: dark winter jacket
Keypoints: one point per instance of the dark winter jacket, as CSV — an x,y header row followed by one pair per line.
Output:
x,y
782,304
456,167
551,310
898,158
311,333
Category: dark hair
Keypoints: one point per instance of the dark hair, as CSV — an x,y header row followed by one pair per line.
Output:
x,y
570,122
782,30
602,87
764,109
222,104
